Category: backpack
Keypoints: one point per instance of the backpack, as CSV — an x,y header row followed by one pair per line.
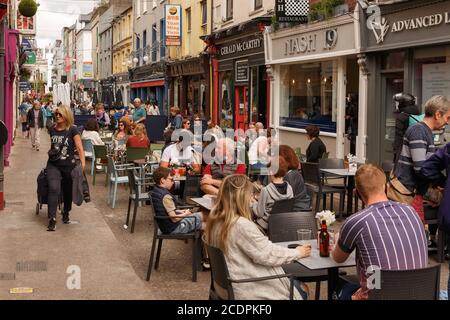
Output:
x,y
42,187
413,119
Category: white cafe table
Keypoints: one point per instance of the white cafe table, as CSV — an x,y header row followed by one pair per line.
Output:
x,y
316,262
348,177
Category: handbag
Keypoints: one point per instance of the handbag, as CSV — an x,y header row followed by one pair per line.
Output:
x,y
396,191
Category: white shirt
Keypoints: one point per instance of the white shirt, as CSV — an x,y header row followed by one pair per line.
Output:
x,y
93,136
172,155
153,111
253,153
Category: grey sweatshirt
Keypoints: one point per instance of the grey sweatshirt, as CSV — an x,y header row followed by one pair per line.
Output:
x,y
269,195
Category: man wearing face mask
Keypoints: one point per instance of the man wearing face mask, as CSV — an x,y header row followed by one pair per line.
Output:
x,y
223,165
181,153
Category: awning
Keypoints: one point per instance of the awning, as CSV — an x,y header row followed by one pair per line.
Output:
x,y
155,83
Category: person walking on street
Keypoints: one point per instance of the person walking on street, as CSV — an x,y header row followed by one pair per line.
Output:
x,y
23,111
35,122
65,142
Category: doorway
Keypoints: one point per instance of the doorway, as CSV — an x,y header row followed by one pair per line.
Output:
x,y
392,83
241,113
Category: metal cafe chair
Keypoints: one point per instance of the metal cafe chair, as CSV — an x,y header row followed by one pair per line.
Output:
x,y
221,287
418,284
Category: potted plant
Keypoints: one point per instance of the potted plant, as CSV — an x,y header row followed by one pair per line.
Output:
x,y
28,8
329,217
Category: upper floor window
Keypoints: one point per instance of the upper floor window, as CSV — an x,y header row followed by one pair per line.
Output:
x,y
229,13
138,8
258,4
162,39
144,6
204,12
188,19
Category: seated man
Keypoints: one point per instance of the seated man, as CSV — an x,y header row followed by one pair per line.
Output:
x,y
224,164
181,153
164,204
386,235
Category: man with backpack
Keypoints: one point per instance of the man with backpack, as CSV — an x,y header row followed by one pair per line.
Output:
x,y
405,109
408,186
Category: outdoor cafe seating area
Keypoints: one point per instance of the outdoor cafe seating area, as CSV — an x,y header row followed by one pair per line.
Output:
x,y
330,184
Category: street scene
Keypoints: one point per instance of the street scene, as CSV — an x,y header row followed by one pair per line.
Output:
x,y
195,150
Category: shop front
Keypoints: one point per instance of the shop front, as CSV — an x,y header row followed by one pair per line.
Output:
x,y
313,69
189,86
410,53
149,83
123,85
239,75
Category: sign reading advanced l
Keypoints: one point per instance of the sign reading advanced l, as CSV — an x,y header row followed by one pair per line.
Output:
x,y
426,24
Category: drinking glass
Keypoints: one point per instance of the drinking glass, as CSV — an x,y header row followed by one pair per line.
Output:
x,y
304,235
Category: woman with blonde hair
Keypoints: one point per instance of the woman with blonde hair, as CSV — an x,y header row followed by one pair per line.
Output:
x,y
65,141
248,252
139,139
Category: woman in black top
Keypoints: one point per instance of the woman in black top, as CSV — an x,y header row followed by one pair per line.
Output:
x,y
316,148
302,201
65,138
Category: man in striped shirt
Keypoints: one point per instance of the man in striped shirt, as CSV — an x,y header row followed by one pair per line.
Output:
x,y
386,235
418,146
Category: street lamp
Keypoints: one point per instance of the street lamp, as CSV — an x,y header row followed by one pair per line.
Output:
x,y
135,60
145,58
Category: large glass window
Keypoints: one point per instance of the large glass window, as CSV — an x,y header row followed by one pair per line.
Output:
x,y
308,95
254,95
226,104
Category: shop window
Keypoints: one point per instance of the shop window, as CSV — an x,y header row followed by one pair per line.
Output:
x,y
308,95
431,73
226,105
254,95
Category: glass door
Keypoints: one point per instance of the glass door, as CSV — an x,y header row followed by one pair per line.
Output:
x,y
241,114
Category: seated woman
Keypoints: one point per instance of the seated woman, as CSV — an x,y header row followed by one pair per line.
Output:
x,y
248,252
295,179
139,139
90,132
276,190
316,148
121,136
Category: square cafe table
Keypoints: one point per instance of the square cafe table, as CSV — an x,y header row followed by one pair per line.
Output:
x,y
204,202
316,262
349,178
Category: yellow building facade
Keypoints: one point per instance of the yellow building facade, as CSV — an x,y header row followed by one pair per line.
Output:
x,y
122,41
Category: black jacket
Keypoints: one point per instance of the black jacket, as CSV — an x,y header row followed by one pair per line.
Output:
x,y
30,118
401,125
315,150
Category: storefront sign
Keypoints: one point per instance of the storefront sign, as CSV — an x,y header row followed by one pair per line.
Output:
x,y
241,47
292,10
436,80
310,43
407,26
88,70
24,86
242,71
31,58
187,68
173,25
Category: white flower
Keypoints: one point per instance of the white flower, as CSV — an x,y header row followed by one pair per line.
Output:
x,y
326,215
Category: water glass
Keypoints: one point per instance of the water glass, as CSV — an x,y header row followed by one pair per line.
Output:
x,y
304,235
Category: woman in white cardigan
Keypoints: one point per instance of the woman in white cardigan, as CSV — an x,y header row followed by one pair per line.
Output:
x,y
248,252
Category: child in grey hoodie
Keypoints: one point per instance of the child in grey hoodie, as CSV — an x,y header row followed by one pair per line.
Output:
x,y
276,190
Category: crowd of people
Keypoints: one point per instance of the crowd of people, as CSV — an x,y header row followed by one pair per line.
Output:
x,y
390,232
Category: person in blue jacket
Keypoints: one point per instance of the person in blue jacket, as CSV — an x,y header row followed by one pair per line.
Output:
x,y
432,171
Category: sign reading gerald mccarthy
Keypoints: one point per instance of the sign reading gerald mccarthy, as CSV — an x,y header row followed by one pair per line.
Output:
x,y
241,47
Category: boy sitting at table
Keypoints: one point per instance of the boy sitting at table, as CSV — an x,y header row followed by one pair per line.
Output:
x,y
165,205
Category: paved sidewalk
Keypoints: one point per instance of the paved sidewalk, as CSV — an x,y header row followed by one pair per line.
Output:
x,y
105,270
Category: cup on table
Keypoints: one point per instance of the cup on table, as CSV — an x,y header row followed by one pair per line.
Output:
x,y
304,235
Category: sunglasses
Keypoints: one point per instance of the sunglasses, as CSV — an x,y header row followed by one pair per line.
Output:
x,y
121,125
57,114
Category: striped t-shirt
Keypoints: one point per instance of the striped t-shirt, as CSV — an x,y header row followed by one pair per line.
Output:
x,y
387,236
418,146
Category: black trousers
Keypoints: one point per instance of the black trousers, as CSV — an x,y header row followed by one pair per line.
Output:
x,y
59,180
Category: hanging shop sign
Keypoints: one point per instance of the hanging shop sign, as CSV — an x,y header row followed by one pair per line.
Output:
x,y
242,71
88,70
31,58
173,25
24,86
292,10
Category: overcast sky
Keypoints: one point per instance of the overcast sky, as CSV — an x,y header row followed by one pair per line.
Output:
x,y
53,15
